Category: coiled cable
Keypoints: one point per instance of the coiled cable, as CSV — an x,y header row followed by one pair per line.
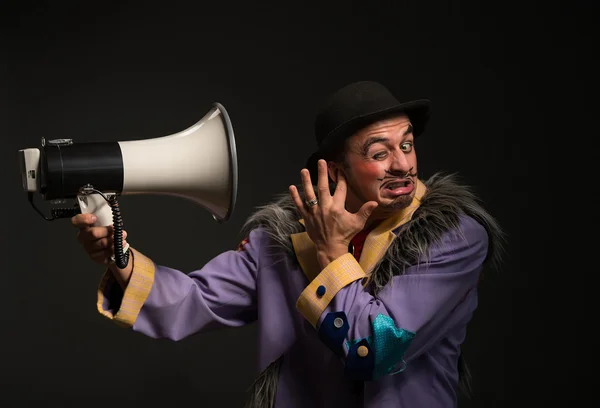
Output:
x,y
121,258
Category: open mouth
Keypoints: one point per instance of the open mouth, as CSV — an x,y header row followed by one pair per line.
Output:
x,y
393,185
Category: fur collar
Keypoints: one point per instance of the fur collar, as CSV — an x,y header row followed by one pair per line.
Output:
x,y
444,201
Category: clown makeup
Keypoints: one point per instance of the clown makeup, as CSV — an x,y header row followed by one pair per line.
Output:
x,y
381,165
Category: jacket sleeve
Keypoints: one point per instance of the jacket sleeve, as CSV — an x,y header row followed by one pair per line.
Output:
x,y
379,335
162,302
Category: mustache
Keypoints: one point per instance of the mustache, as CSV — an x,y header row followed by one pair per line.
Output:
x,y
389,175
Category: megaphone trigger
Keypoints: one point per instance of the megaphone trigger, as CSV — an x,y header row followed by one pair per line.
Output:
x,y
98,204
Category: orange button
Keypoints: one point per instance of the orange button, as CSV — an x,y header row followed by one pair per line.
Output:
x,y
362,351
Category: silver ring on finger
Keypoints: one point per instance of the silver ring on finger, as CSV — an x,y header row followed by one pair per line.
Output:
x,y
312,203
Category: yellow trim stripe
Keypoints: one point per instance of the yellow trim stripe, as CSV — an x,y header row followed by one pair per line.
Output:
x,y
379,240
338,274
306,253
136,292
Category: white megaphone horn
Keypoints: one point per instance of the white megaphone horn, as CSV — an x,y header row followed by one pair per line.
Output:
x,y
198,164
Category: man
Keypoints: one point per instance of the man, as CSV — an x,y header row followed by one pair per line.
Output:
x,y
362,290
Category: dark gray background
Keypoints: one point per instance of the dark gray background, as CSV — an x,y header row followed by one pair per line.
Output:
x,y
509,82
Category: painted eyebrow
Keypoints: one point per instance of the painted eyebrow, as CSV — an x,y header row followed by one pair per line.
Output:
x,y
372,140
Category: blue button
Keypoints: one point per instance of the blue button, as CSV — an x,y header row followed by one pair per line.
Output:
x,y
321,291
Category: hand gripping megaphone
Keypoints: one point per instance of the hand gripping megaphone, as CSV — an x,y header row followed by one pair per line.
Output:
x,y
198,164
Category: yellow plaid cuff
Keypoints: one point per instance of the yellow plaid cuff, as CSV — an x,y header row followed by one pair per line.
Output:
x,y
320,292
136,292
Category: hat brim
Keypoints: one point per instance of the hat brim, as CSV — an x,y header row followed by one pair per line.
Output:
x,y
418,112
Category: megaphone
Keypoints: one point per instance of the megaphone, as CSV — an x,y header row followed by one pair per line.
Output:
x,y
197,164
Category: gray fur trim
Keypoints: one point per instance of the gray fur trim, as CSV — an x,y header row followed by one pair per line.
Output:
x,y
279,219
441,206
264,388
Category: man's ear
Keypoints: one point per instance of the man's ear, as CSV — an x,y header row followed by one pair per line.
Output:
x,y
332,169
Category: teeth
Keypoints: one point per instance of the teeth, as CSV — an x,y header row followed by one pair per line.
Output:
x,y
393,186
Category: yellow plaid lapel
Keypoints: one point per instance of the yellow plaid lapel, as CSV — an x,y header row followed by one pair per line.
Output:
x,y
376,244
306,253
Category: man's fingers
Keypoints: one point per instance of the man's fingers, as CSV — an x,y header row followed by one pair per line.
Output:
x,y
367,209
94,233
341,188
83,220
103,255
323,183
100,244
97,245
297,200
309,192
99,232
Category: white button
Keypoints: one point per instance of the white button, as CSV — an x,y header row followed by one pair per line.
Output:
x,y
338,322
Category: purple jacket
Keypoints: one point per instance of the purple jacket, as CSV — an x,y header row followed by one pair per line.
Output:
x,y
340,344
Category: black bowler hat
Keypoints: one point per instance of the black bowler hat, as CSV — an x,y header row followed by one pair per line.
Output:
x,y
358,105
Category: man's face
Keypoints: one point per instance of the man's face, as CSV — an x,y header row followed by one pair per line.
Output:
x,y
380,165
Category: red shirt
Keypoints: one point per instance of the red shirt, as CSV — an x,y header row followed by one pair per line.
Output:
x,y
359,241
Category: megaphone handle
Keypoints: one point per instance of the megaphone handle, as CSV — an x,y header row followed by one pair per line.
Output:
x,y
96,204
108,214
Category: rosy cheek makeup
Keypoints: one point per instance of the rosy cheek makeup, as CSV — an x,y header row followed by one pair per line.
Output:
x,y
369,170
